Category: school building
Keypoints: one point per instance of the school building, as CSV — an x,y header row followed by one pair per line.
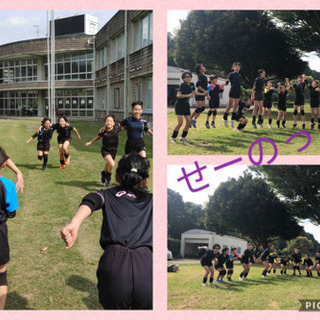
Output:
x,y
191,239
174,80
96,72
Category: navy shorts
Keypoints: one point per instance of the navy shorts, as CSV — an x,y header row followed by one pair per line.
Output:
x,y
206,262
135,145
182,109
299,101
258,95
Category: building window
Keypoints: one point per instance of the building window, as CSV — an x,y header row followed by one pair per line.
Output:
x,y
119,47
147,94
18,71
116,98
143,32
101,93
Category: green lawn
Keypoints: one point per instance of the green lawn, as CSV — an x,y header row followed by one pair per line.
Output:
x,y
55,278
224,141
185,291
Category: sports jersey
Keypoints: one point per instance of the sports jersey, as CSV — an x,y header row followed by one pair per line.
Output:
x,y
214,92
247,255
242,109
299,88
221,260
235,80
44,136
282,98
265,255
314,97
317,260
209,255
202,82
185,89
296,257
257,253
110,138
259,84
308,262
135,127
64,133
284,261
272,256
11,195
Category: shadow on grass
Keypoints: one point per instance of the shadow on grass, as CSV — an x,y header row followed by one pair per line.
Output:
x,y
86,185
35,166
84,285
16,302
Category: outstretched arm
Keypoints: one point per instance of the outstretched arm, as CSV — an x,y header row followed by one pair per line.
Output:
x,y
14,168
93,140
150,132
77,133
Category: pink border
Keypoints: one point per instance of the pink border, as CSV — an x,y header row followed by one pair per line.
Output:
x,y
160,159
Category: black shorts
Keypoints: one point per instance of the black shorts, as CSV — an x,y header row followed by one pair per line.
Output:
x,y
64,140
43,146
229,264
125,278
214,103
235,93
206,262
246,261
4,245
314,103
282,108
135,145
258,95
182,109
299,101
238,117
200,98
267,104
105,152
218,266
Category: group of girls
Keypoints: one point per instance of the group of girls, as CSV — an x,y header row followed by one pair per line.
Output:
x,y
135,126
213,259
261,97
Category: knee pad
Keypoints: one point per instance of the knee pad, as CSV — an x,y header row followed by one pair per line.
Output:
x,y
198,110
302,112
209,113
40,157
214,112
295,112
3,279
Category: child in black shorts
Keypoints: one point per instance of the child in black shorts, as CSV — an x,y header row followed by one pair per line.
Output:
x,y
229,263
267,102
219,266
282,102
297,259
206,262
109,147
8,207
257,97
44,137
136,126
299,100
314,103
264,258
309,265
283,263
245,261
317,262
239,117
125,268
273,260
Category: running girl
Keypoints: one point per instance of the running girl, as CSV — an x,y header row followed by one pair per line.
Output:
x,y
219,266
267,102
283,263
206,262
229,263
182,106
44,137
243,108
234,78
282,103
136,126
257,97
214,90
309,265
245,260
272,265
125,268
109,147
314,103
296,261
264,259
299,100
202,85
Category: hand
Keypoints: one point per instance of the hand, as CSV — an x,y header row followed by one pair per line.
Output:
x,y
88,144
20,182
69,234
79,137
102,130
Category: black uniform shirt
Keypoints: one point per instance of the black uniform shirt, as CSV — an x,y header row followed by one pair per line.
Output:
x,y
313,93
185,89
222,259
296,257
110,138
235,79
63,132
259,84
242,109
299,88
135,127
265,254
282,98
308,262
44,136
202,82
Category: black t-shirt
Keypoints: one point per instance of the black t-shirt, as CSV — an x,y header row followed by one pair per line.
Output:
x,y
271,257
268,95
284,261
135,127
64,133
222,259
308,262
265,254
235,80
282,98
209,255
214,91
185,89
247,255
202,82
297,257
126,221
299,88
313,93
317,260
110,138
44,136
257,253
259,84
242,109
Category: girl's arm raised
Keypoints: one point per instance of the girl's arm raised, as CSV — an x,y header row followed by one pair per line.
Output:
x,y
93,140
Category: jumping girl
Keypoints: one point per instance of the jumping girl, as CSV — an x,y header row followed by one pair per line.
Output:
x,y
245,260
234,78
44,137
214,90
264,259
202,85
296,261
125,268
267,102
299,100
257,97
136,126
243,108
309,265
314,103
272,265
229,263
109,147
317,262
182,106
219,266
282,103
206,262
283,263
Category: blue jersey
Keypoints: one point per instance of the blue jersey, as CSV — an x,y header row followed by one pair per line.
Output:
x,y
135,127
11,195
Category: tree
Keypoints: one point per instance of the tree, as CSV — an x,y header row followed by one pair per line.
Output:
x,y
302,243
218,38
195,215
250,207
171,47
299,185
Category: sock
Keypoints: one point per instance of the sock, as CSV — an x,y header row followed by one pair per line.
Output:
x,y
66,155
175,134
281,271
299,270
233,115
108,176
278,123
312,120
283,122
61,161
241,274
45,159
240,126
245,275
319,273
318,120
212,121
310,273
254,119
184,134
274,271
211,280
285,271
225,116
260,119
204,280
270,121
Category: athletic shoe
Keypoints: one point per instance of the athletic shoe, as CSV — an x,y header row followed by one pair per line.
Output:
x,y
232,123
67,160
312,125
227,279
108,184
260,125
283,126
225,123
269,126
230,279
194,123
204,284
263,276
173,140
303,126
254,126
294,125
213,125
44,168
182,139
62,166
221,281
217,281
241,278
267,274
207,125
237,130
103,176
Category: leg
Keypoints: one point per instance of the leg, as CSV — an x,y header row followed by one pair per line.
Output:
x,y
45,160
254,112
269,117
60,145
205,278
201,105
234,111
108,167
260,110
211,275
303,117
3,286
295,112
66,151
225,116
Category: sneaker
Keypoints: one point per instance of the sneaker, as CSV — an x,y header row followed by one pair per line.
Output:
x,y
237,130
213,125
254,126
303,126
227,279
269,126
232,123
263,276
260,125
62,166
103,176
173,140
218,281
294,125
108,184
204,284
241,278
67,160
283,126
207,125
225,123
312,125
194,123
44,168
182,139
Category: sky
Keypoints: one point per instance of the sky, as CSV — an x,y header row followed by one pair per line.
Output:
x,y
174,17
25,24
213,179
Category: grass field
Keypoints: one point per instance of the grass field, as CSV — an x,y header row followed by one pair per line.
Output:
x,y
185,291
54,278
224,141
